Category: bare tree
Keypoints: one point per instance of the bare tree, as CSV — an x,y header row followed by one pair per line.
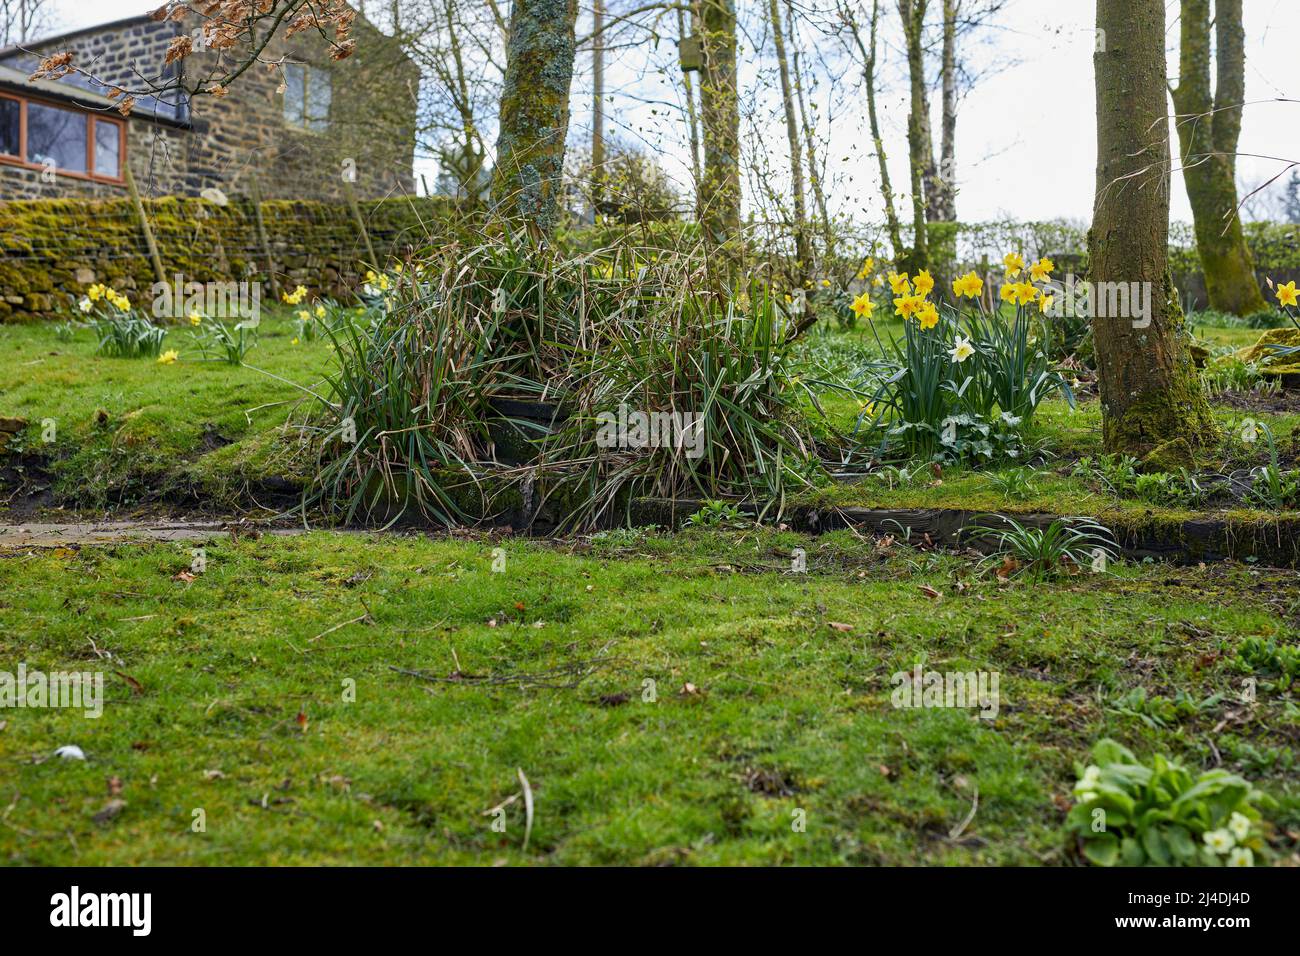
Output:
x,y
23,20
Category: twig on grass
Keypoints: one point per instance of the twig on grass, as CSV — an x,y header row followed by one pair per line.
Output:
x,y
356,620
576,671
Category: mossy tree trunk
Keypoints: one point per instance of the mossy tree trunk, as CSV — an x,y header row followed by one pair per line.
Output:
x,y
920,147
1208,129
534,115
1151,393
719,194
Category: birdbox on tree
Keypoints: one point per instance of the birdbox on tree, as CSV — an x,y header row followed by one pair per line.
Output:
x,y
691,54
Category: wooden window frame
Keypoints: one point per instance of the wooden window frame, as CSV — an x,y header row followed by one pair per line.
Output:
x,y
91,117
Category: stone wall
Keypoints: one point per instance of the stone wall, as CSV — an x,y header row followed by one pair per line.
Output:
x,y
54,248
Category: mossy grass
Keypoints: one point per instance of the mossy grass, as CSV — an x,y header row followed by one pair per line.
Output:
x,y
229,694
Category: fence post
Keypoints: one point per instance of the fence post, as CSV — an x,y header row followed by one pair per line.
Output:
x,y
256,190
361,223
144,224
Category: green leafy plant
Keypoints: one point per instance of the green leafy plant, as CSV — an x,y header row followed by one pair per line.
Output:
x,y
1013,484
1116,473
1158,711
717,514
1039,553
1267,657
1130,814
1271,485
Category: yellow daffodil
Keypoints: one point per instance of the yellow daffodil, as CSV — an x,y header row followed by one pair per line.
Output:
x,y
867,268
826,283
907,305
970,285
927,315
168,357
1008,291
96,292
1041,270
196,319
1287,294
294,297
1014,262
899,283
863,305
1025,293
303,315
923,282
320,311
122,303
961,350
1045,303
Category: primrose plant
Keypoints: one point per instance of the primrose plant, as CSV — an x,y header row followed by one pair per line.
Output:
x,y
1129,814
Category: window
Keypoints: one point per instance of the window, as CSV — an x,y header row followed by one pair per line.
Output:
x,y
108,149
70,141
10,126
56,137
307,95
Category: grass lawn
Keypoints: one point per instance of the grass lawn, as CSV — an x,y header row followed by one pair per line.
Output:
x,y
761,707
131,430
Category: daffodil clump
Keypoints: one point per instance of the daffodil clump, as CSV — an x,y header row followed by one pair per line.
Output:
x,y
1128,814
121,331
218,341
964,381
100,295
307,323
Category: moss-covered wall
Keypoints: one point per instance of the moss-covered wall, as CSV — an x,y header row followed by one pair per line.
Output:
x,y
51,249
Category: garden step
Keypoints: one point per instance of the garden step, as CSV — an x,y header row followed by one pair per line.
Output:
x,y
1273,543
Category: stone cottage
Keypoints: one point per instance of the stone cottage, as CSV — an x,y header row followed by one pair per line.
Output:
x,y
301,129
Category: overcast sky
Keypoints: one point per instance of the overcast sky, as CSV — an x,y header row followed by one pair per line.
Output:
x,y
1025,141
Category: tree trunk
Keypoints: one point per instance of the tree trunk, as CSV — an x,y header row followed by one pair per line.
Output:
x,y
719,199
534,118
803,254
1150,391
597,106
946,204
1207,133
920,149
